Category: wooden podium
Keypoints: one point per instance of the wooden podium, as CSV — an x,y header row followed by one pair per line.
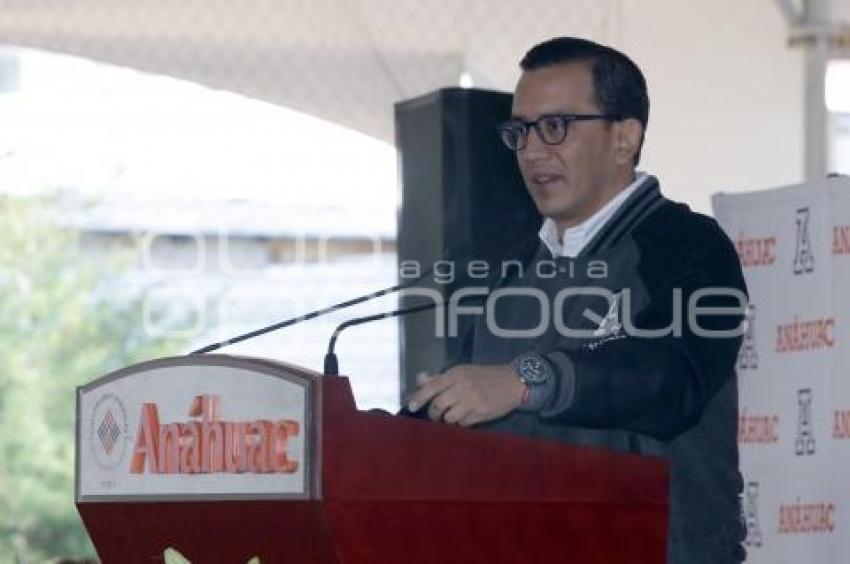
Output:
x,y
316,480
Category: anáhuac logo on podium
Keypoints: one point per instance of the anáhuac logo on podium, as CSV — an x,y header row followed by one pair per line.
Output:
x,y
207,444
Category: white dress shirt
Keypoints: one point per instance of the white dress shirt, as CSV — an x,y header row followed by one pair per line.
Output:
x,y
574,239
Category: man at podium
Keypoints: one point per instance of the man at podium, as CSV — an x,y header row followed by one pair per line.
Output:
x,y
623,329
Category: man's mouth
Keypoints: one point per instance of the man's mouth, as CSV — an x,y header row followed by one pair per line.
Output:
x,y
544,180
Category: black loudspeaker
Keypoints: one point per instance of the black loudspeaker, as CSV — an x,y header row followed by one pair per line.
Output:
x,y
462,194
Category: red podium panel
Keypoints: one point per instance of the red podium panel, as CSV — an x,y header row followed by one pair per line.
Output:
x,y
397,490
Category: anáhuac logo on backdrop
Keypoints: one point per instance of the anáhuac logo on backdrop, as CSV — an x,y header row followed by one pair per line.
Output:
x,y
813,517
748,358
805,334
841,424
751,515
805,442
108,436
209,445
804,258
841,240
755,251
757,429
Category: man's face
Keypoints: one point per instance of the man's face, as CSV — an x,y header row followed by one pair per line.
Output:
x,y
572,180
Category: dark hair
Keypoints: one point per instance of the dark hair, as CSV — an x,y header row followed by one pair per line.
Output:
x,y
618,84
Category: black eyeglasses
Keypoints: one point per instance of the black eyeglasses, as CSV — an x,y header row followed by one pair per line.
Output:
x,y
551,128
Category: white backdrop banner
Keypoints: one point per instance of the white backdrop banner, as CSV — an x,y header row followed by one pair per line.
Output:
x,y
794,420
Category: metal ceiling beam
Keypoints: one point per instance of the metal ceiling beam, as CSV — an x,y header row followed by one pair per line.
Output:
x,y
812,28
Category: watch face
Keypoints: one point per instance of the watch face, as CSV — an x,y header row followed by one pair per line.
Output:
x,y
532,370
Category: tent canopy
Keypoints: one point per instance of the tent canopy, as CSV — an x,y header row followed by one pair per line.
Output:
x,y
346,61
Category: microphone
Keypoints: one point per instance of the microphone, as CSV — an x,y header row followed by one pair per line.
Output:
x,y
313,314
331,364
331,361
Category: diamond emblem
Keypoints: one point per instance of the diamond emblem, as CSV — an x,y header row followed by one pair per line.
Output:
x,y
108,431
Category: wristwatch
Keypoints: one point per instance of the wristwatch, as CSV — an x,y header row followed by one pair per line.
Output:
x,y
538,376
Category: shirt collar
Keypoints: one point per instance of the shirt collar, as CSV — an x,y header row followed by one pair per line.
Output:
x,y
575,238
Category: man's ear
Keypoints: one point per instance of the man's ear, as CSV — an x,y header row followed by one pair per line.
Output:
x,y
627,136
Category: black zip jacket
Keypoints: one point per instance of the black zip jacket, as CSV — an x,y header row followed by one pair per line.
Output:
x,y
674,395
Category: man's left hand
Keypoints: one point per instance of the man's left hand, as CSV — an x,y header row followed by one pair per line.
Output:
x,y
468,394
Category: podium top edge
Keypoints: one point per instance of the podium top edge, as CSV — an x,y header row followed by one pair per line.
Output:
x,y
268,366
